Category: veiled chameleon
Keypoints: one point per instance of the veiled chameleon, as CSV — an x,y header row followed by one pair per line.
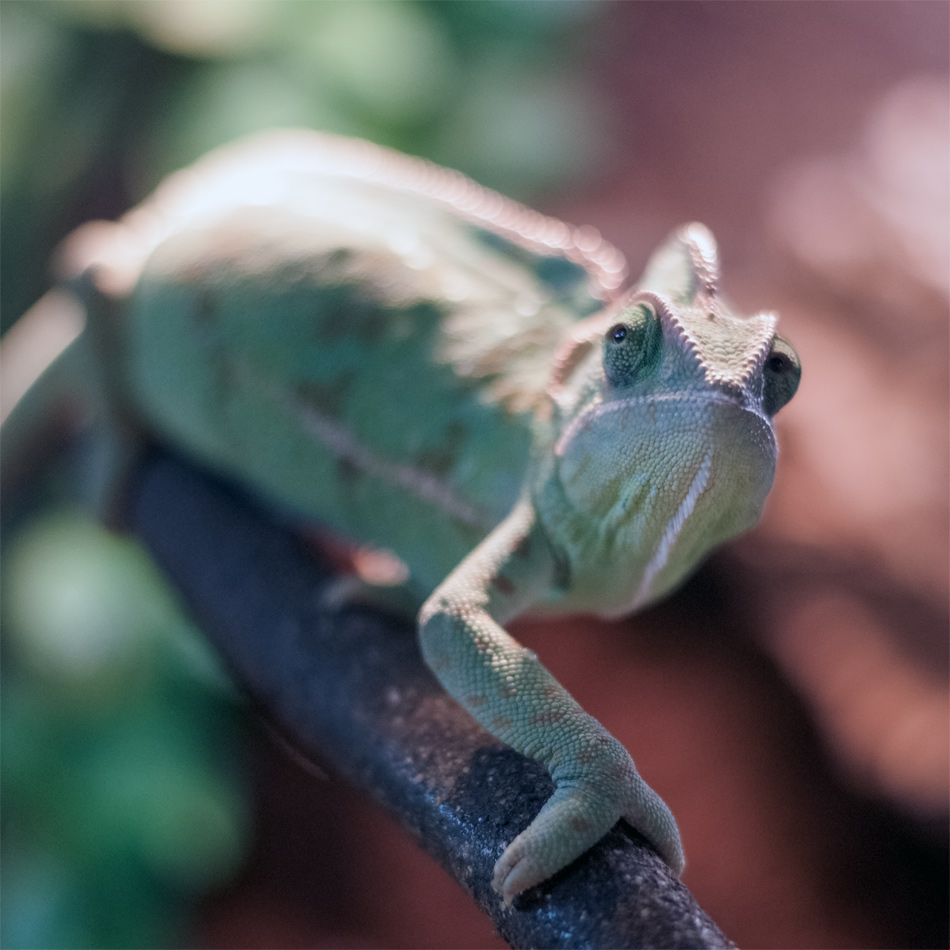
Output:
x,y
416,362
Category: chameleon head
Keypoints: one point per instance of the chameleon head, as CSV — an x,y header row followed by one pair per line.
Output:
x,y
664,444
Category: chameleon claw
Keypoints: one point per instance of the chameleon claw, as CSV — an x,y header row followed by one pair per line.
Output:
x,y
514,873
651,816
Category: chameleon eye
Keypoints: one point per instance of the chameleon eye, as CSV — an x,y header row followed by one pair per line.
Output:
x,y
779,363
782,373
632,346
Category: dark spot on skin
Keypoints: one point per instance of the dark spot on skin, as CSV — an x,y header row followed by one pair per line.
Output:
x,y
559,273
507,691
548,717
562,570
348,299
443,460
551,691
330,315
345,311
580,825
441,663
500,722
426,317
338,258
503,584
479,699
585,758
371,325
348,476
328,398
206,309
498,242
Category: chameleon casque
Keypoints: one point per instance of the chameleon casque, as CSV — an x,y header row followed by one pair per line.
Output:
x,y
392,351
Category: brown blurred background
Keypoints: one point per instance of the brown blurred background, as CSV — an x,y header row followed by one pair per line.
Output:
x,y
791,702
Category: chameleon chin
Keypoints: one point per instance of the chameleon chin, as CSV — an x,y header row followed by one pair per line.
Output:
x,y
429,367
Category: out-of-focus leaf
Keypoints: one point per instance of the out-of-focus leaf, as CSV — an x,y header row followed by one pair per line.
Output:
x,y
550,131
83,604
390,60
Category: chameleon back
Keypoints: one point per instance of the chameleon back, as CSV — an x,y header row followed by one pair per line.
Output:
x,y
364,337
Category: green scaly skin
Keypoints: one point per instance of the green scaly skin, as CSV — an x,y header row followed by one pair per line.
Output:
x,y
388,349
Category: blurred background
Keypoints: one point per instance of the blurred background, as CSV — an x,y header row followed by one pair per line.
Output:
x,y
790,703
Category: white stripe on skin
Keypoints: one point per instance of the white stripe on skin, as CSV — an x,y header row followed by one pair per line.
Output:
x,y
671,532
424,485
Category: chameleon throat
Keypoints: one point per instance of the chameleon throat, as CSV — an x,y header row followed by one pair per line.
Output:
x,y
671,533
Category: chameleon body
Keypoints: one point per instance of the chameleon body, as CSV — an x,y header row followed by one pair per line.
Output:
x,y
390,350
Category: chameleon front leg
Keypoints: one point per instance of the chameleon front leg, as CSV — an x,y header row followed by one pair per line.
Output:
x,y
506,689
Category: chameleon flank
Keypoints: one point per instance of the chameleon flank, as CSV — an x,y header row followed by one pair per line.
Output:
x,y
392,351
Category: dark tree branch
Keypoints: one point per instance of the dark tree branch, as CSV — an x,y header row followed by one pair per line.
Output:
x,y
348,687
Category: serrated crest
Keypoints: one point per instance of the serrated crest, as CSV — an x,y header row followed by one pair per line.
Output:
x,y
265,168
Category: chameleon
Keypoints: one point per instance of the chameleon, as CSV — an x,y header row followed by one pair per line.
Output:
x,y
396,353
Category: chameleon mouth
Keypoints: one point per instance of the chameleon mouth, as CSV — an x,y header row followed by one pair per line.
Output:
x,y
705,399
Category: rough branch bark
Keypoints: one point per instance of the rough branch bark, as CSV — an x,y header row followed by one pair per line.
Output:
x,y
348,687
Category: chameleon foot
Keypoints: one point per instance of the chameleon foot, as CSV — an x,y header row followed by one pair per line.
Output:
x,y
578,815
